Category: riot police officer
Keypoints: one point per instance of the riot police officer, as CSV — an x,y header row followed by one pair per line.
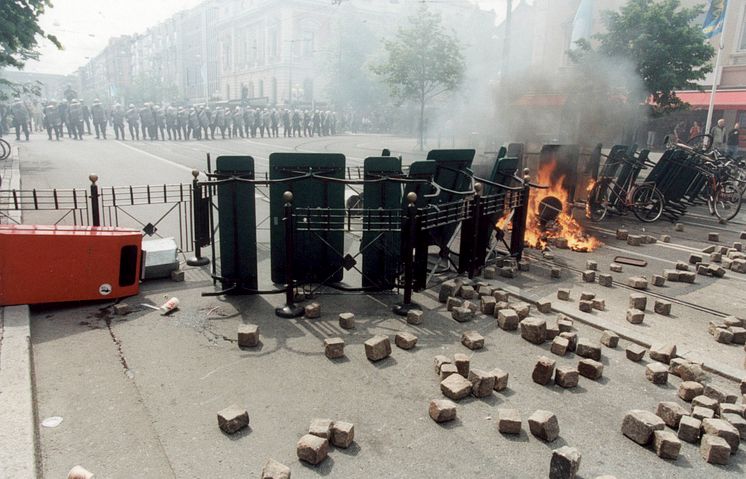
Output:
x,y
86,113
296,122
316,123
194,126
183,117
205,118
117,121
286,123
274,122
52,120
147,122
20,118
248,113
99,118
308,129
76,119
160,122
133,121
172,122
237,122
64,108
218,122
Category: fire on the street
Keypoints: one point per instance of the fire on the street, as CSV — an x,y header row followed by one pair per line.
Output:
x,y
550,219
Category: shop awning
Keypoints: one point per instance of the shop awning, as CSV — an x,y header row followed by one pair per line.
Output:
x,y
724,99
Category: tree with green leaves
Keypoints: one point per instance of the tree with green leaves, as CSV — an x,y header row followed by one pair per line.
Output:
x,y
666,44
20,34
423,61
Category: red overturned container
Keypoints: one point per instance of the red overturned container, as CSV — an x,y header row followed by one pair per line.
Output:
x,y
49,264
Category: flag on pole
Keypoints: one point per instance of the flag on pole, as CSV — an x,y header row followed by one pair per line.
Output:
x,y
715,18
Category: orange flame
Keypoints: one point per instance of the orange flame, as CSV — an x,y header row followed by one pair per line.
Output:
x,y
502,223
565,227
588,189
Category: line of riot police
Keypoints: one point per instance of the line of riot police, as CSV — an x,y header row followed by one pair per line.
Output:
x,y
201,122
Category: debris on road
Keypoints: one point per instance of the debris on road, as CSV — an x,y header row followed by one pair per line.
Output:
x,y
275,470
232,419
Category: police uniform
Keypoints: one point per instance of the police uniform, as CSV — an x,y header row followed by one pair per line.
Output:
x,y
160,122
117,121
52,120
172,122
99,119
76,119
133,121
20,118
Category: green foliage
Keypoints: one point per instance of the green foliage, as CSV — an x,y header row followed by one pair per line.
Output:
x,y
423,61
666,44
9,89
20,31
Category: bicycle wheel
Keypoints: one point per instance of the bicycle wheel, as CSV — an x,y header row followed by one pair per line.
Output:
x,y
4,149
598,202
727,200
647,203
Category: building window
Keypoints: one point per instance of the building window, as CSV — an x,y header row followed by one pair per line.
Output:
x,y
228,91
261,88
274,90
226,56
251,89
273,43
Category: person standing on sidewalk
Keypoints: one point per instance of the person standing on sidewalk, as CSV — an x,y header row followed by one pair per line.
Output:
x,y
732,141
719,134
695,130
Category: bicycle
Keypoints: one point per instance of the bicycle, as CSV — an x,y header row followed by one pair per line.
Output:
x,y
644,200
725,186
5,149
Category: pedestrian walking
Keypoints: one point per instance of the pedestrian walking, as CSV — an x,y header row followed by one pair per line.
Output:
x,y
732,141
719,134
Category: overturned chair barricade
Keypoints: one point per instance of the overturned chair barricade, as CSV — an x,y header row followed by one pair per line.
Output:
x,y
381,241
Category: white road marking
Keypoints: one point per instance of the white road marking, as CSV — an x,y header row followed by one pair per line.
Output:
x,y
156,157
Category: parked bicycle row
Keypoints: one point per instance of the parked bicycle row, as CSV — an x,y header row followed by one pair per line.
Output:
x,y
686,175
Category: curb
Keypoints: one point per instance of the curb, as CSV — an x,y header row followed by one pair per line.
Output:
x,y
714,367
18,432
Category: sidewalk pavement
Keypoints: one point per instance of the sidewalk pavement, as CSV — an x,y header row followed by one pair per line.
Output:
x,y
18,452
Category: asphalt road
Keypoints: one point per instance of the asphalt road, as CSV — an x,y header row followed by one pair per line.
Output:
x,y
139,393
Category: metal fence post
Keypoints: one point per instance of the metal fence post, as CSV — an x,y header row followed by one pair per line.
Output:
x,y
95,207
290,310
476,225
409,233
197,219
519,219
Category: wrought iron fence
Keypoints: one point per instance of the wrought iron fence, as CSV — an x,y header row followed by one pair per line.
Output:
x,y
146,207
